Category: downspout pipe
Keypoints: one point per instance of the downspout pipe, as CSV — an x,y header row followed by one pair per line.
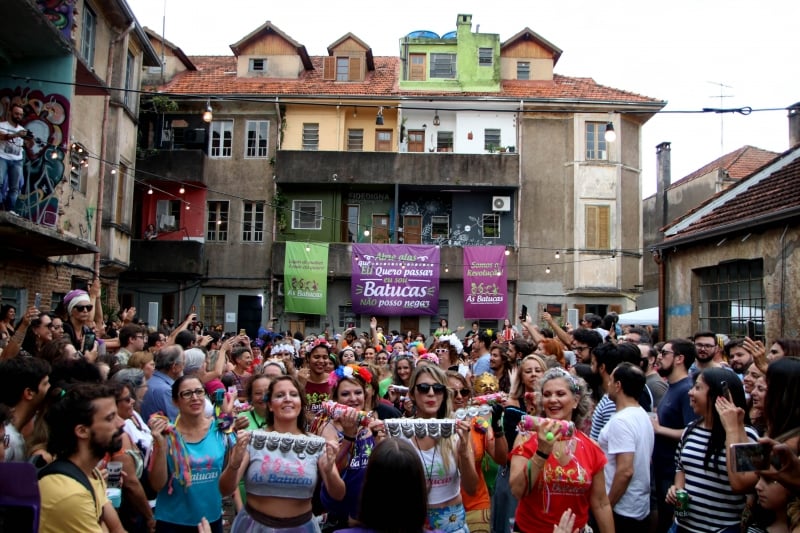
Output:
x,y
101,182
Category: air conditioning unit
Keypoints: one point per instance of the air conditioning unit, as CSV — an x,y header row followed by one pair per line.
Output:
x,y
501,203
166,135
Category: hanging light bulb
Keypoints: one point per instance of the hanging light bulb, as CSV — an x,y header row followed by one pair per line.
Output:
x,y
558,254
446,268
379,117
182,189
150,190
610,134
187,206
366,233
436,120
508,252
54,154
547,269
308,248
113,171
219,222
208,114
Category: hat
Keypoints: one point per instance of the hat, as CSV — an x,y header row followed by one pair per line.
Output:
x,y
76,297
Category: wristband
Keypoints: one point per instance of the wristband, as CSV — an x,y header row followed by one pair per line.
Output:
x,y
543,455
348,439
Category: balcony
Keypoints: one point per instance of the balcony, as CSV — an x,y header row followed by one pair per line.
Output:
x,y
29,35
21,236
175,165
166,260
340,262
466,170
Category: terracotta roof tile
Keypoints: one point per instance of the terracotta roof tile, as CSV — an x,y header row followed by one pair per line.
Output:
x,y
216,75
773,194
738,164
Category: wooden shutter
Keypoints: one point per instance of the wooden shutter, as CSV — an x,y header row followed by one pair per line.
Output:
x,y
417,70
591,226
598,227
354,70
329,68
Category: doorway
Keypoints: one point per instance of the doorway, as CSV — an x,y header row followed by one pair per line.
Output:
x,y
380,229
412,229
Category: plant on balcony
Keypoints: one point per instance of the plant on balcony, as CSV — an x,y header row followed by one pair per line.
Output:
x,y
279,205
511,149
164,104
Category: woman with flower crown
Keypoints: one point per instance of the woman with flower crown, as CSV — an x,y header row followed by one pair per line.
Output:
x,y
356,431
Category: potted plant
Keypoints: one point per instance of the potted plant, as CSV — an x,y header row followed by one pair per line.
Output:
x,y
511,149
492,148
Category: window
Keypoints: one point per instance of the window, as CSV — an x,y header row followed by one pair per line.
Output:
x,y
77,172
217,221
257,138
342,68
119,203
731,295
353,219
88,34
258,64
355,140
596,141
130,71
212,309
168,215
310,136
440,227
307,214
416,71
253,223
485,57
444,141
346,317
443,66
523,70
491,139
491,226
221,141
598,227
383,140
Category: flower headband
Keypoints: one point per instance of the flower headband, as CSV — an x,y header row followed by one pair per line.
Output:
x,y
318,342
419,346
559,372
349,371
430,357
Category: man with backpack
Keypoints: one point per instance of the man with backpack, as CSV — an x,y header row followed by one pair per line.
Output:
x,y
83,427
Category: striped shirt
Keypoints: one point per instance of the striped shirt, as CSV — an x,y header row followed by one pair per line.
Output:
x,y
712,503
602,414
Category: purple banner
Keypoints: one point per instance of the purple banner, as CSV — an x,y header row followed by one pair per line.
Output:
x,y
485,285
395,279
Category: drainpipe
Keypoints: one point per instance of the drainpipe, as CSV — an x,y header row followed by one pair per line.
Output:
x,y
518,230
101,182
273,281
660,259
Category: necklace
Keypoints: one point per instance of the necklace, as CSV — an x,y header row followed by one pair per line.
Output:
x,y
428,469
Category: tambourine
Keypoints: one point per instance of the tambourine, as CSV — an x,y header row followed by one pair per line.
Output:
x,y
337,410
564,431
437,428
299,445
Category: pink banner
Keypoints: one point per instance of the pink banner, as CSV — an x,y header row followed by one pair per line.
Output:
x,y
485,285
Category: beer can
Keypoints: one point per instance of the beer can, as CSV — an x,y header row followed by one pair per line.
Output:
x,y
682,505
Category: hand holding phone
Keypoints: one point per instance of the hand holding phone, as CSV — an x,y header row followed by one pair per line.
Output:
x,y
523,313
37,300
751,456
88,342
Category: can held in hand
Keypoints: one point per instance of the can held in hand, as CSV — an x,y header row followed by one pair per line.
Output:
x,y
682,506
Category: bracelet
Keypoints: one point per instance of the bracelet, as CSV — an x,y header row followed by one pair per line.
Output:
x,y
348,439
543,455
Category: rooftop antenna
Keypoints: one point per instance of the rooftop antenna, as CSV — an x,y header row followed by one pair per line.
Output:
x,y
721,97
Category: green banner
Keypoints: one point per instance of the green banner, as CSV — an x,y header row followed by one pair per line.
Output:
x,y
305,278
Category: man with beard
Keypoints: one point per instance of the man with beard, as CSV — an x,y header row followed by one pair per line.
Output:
x,y
674,414
705,343
83,427
24,382
11,155
739,357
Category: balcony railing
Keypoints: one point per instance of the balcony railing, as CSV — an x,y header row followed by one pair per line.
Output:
x,y
176,165
446,169
166,259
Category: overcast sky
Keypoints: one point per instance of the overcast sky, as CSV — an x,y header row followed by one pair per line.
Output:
x,y
679,52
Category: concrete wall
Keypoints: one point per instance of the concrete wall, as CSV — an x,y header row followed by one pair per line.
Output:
x,y
781,284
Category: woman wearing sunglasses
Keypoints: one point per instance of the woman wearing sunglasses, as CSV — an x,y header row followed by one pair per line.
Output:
x,y
486,440
79,313
189,469
448,463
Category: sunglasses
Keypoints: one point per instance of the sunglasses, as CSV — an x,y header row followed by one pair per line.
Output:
x,y
425,388
441,350
84,307
464,393
186,394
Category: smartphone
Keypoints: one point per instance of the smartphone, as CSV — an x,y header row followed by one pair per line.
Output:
x,y
242,332
751,329
219,397
88,342
523,314
726,391
751,456
37,300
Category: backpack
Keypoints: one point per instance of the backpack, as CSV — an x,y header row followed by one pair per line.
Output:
x,y
69,469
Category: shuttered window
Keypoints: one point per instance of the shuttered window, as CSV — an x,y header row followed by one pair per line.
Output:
x,y
598,227
342,68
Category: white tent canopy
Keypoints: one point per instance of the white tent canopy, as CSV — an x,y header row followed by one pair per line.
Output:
x,y
642,317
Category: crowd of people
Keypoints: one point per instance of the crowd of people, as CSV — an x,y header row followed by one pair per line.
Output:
x,y
535,427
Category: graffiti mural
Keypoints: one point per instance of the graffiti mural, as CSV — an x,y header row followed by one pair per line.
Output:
x,y
470,234
59,13
47,118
